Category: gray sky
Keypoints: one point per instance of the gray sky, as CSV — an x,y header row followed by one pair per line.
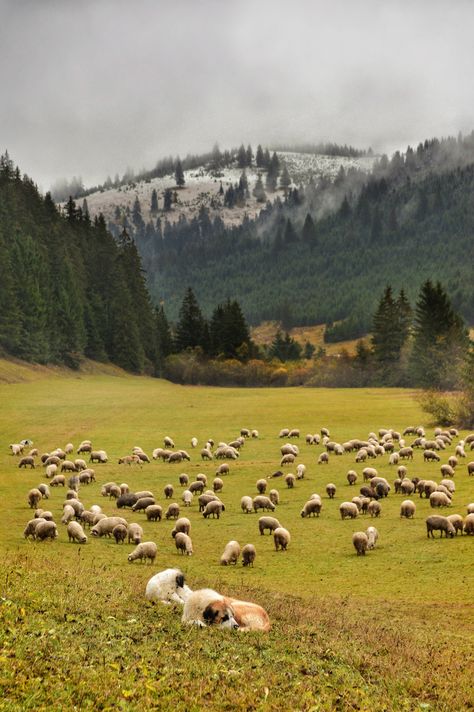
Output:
x,y
91,87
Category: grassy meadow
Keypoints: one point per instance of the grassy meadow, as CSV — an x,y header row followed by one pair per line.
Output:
x,y
392,630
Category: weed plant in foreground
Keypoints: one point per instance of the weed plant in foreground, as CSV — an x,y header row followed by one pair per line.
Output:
x,y
388,631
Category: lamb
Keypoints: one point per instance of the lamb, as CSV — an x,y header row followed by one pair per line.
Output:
x,y
262,502
407,509
312,507
372,536
441,524
281,538
360,542
168,491
261,486
145,550
351,477
105,526
134,533
214,509
246,504
153,513
173,511
348,510
248,555
28,460
374,509
439,499
270,523
34,497
76,533
323,459
274,496
167,586
231,553
183,543
469,524
45,530
331,490
457,522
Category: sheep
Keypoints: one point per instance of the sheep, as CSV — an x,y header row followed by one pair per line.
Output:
x,y
459,451
87,476
246,504
51,470
331,490
231,553
248,555
214,509
182,525
68,514
126,500
358,501
394,458
407,487
312,507
447,492
80,464
28,460
98,456
281,538
469,524
372,536
194,442
453,461
287,460
262,502
85,446
223,469
105,526
217,484
168,442
76,533
457,522
374,509
300,471
284,433
274,496
175,457
34,497
323,459
44,489
407,509
402,472
348,510
173,511
447,471
360,542
129,460
290,480
405,453
441,524
196,486
52,460
430,455
205,498
261,486
449,485
87,518
470,468
270,523
236,444
351,477
325,432
168,491
362,455
309,439
183,543
45,530
368,473
187,498
145,550
142,503
439,499
254,434
206,454
470,508
153,513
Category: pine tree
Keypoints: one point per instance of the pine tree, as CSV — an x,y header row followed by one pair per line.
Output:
x,y
241,157
179,174
259,191
285,180
259,157
308,233
248,156
385,339
228,330
167,199
190,329
154,202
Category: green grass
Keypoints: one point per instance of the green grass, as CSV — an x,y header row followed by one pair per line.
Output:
x,y
389,631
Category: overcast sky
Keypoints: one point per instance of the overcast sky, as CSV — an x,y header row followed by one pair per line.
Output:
x,y
92,86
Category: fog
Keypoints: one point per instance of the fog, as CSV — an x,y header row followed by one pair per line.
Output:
x,y
91,87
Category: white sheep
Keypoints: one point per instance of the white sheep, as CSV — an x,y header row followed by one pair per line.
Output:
x,y
231,553
248,555
360,542
183,543
145,550
46,530
246,504
348,510
76,533
372,536
300,471
281,538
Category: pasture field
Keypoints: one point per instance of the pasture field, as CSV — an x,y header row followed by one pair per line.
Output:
x,y
389,631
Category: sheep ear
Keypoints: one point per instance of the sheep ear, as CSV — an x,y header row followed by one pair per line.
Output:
x,y
180,580
209,614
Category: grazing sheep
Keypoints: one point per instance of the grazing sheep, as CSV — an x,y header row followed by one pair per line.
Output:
x,y
246,504
175,457
469,524
129,460
205,498
80,465
394,458
45,530
453,461
153,513
87,476
441,524
372,536
449,485
173,511
187,498
76,533
457,521
323,459
168,491
182,525
223,469
248,555
217,484
281,538
51,470
196,486
30,529
274,496
287,460
430,455
168,442
368,473
183,543
85,446
262,502
312,507
16,448
470,508
470,468
27,461
439,499
145,550
351,477
407,509
194,442
52,460
374,508
119,533
360,542
402,472
105,526
284,433
447,471
98,456
459,451
406,453
34,498
331,490
183,479
68,514
231,553
348,510
270,523
142,503
206,454
300,471
290,480
126,500
407,487
261,486
214,509
44,489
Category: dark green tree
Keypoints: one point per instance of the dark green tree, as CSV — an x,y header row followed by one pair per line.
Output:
x,y
154,202
167,199
285,180
179,174
259,190
259,157
190,329
285,348
242,157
